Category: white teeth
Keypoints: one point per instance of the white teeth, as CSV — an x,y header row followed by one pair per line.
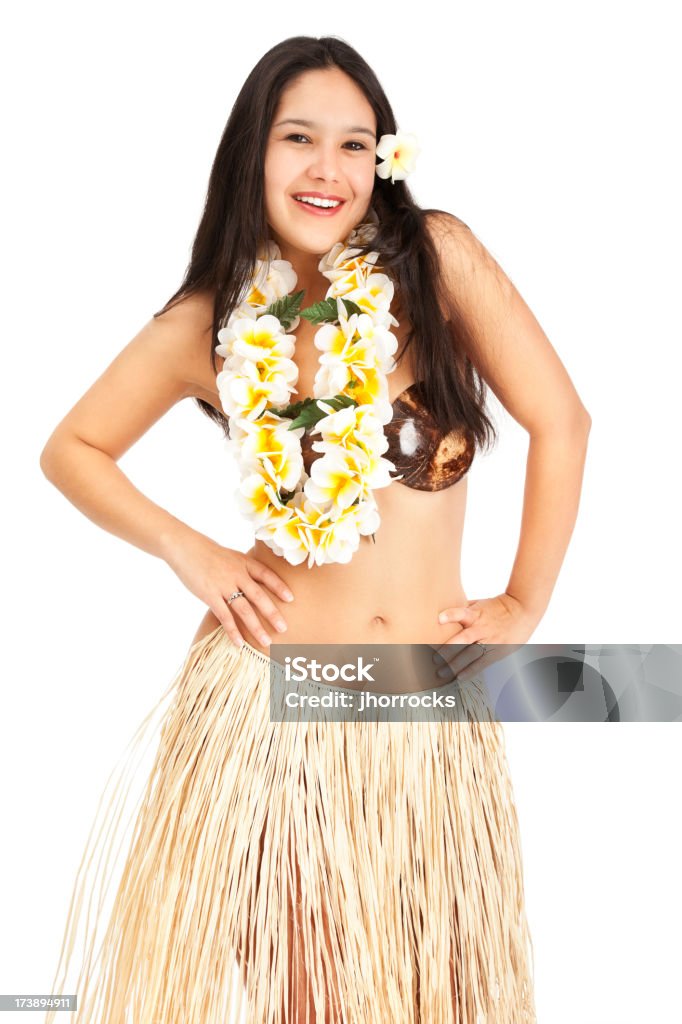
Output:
x,y
317,202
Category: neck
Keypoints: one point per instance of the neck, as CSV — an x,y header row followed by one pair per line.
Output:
x,y
308,276
305,265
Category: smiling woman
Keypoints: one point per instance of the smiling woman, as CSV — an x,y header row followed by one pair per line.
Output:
x,y
337,148
327,871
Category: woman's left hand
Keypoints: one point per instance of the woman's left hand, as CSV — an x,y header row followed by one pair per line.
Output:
x,y
497,621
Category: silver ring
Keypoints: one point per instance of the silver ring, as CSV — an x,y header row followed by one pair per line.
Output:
x,y
237,593
483,646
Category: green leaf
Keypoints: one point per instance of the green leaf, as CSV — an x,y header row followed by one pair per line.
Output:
x,y
327,311
286,309
307,412
294,408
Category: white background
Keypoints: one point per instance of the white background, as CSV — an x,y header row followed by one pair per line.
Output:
x,y
553,131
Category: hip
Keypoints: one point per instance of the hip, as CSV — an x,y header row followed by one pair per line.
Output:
x,y
399,607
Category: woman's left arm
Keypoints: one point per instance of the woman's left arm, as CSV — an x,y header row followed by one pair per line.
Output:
x,y
514,356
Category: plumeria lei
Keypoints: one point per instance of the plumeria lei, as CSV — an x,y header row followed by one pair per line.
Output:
x,y
319,515
322,515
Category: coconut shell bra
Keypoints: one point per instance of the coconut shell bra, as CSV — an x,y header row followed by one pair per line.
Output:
x,y
429,459
426,458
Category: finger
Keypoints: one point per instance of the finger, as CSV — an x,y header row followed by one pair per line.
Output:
x,y
459,652
241,607
221,610
468,665
263,574
451,647
258,597
449,661
467,616
474,668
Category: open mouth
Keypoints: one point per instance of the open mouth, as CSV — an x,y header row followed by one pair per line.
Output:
x,y
321,208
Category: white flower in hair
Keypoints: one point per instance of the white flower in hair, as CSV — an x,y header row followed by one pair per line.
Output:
x,y
398,154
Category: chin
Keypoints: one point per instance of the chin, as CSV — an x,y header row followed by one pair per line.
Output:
x,y
318,238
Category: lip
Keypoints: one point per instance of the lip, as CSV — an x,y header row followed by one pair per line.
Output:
x,y
319,195
318,211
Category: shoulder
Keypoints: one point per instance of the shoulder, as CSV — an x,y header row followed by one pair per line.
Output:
x,y
502,336
184,331
441,223
473,285
462,255
187,320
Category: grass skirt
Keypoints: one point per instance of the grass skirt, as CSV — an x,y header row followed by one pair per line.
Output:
x,y
299,872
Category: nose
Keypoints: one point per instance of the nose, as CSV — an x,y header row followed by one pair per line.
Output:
x,y
325,162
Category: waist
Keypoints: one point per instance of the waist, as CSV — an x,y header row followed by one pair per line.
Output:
x,y
372,599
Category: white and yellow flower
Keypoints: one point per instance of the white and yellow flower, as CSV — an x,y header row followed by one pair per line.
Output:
x,y
336,479
335,339
257,498
272,279
339,543
269,441
309,532
398,154
298,536
358,426
257,338
357,344
345,268
374,337
374,296
248,393
367,517
367,385
331,379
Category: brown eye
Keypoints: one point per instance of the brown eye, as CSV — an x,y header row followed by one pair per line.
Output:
x,y
297,135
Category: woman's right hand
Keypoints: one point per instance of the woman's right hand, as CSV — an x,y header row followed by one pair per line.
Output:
x,y
213,572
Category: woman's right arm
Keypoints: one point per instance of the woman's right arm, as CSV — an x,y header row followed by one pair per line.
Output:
x,y
158,368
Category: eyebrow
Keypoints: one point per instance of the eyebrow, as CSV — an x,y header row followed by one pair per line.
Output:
x,y
312,124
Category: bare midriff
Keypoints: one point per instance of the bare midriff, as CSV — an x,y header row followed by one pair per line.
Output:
x,y
394,587
391,591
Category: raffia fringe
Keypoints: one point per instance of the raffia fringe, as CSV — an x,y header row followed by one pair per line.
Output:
x,y
356,872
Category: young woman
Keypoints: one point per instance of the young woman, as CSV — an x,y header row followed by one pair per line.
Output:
x,y
353,872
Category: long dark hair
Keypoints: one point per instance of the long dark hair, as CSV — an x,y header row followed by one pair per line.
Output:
x,y
234,223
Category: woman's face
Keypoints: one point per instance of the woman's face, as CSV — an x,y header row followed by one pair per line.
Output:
x,y
333,154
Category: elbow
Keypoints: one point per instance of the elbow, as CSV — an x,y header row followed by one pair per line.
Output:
x,y
572,424
577,421
578,428
47,460
51,456
56,450
584,420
